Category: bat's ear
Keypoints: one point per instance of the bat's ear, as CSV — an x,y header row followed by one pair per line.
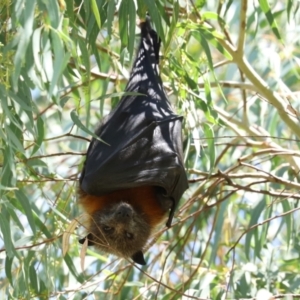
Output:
x,y
89,237
138,258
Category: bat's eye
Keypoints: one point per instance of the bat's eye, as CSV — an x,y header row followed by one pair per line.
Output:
x,y
107,228
129,235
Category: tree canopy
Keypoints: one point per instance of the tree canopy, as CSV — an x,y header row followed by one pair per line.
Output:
x,y
231,68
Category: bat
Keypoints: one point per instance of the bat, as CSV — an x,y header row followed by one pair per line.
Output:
x,y
134,180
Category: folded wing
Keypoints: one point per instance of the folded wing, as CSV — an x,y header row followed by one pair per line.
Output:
x,y
143,136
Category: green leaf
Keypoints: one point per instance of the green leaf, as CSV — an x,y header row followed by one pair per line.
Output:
x,y
24,201
38,223
23,38
265,7
218,230
53,12
60,61
85,59
69,261
110,15
288,221
76,120
70,9
208,99
40,133
210,15
289,8
213,41
14,217
202,38
209,134
96,12
255,214
141,9
8,177
46,57
37,50
8,266
33,278
123,23
41,225
15,134
6,234
132,25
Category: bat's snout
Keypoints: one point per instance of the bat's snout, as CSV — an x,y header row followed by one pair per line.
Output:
x,y
124,213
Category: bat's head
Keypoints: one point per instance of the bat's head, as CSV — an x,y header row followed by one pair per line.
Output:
x,y
121,230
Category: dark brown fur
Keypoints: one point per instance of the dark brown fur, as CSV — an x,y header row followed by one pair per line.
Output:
x,y
122,222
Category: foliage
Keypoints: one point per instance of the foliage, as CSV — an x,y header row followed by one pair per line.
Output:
x,y
231,68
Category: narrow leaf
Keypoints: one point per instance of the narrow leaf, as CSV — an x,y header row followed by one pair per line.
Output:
x,y
264,5
209,133
72,268
76,120
6,234
110,15
26,208
40,133
8,266
96,12
256,212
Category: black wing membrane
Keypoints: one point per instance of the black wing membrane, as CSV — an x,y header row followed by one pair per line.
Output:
x,y
143,136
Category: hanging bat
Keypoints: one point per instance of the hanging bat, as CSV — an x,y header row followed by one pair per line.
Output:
x,y
134,181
